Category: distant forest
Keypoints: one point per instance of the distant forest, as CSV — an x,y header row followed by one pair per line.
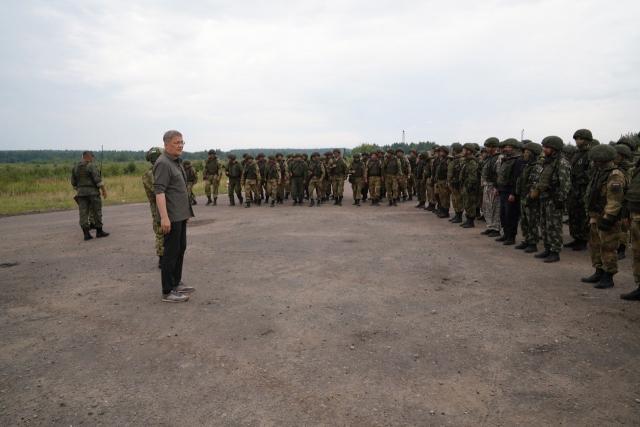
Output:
x,y
59,156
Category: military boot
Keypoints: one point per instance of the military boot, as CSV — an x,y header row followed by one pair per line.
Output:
x,y
339,200
580,245
469,223
240,199
394,203
286,196
100,232
312,203
632,296
522,245
273,203
266,199
606,281
457,219
248,204
544,254
258,202
87,235
594,278
531,249
430,207
444,213
357,202
215,201
232,201
622,252
553,257
390,202
209,200
318,201
420,205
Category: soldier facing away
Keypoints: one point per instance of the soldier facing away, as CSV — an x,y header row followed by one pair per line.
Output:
x,y
87,182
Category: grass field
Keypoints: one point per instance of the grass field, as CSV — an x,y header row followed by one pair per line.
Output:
x,y
26,188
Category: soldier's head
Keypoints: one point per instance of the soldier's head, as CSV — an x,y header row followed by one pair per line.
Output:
x,y
153,154
87,156
399,152
173,143
374,156
582,137
272,159
315,155
356,157
413,153
279,156
510,144
391,153
623,153
212,154
531,150
297,156
422,156
231,157
602,155
260,156
630,141
468,149
304,156
456,147
249,158
552,145
491,144
365,156
245,155
443,151
336,153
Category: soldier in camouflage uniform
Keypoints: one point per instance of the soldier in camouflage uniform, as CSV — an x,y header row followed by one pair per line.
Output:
x,y
272,178
262,182
87,182
406,173
469,184
373,178
326,184
490,196
299,171
529,208
211,175
605,196
234,173
552,190
578,221
632,204
284,178
338,172
412,186
287,187
317,172
391,170
429,183
147,181
624,162
365,186
441,167
421,180
192,179
453,180
356,177
250,178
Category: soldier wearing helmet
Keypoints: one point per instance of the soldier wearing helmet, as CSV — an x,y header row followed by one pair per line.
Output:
x,y
580,171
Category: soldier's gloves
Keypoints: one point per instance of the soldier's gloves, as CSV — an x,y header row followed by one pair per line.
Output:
x,y
605,223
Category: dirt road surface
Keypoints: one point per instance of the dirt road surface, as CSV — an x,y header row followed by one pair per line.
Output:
x,y
307,316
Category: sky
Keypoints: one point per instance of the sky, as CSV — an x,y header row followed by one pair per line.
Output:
x,y
303,74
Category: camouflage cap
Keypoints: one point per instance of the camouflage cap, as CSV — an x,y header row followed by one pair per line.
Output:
x,y
327,153
470,146
554,142
492,142
624,151
602,153
212,152
249,157
279,155
153,154
260,156
533,147
511,142
584,134
336,150
456,147
400,150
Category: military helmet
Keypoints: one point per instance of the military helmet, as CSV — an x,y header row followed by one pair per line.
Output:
x,y
491,142
554,142
456,147
602,153
212,152
153,154
511,142
315,154
336,150
327,153
584,134
444,148
249,157
400,150
624,151
470,146
279,155
533,147
231,157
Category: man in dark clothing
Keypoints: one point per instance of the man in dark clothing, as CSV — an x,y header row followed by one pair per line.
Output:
x,y
508,174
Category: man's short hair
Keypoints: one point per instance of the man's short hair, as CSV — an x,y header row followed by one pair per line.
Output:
x,y
169,135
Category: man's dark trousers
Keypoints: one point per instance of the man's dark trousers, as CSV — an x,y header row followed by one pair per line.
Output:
x,y
509,215
175,244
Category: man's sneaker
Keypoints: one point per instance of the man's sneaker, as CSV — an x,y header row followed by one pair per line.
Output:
x,y
184,289
174,296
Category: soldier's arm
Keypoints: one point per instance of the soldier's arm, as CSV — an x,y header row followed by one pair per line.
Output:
x,y
450,170
564,180
615,194
74,179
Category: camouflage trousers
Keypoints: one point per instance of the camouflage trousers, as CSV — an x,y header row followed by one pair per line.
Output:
x,y
356,187
491,206
251,190
391,186
282,187
444,196
579,227
297,188
456,199
402,186
272,189
603,246
421,191
530,220
157,230
431,193
469,203
90,207
234,187
551,225
634,228
374,186
624,234
412,186
192,196
337,186
315,184
212,186
326,186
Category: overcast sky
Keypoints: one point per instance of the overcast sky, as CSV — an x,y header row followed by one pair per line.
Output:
x,y
240,74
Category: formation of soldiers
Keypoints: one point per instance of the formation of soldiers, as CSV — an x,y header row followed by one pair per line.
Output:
x,y
511,185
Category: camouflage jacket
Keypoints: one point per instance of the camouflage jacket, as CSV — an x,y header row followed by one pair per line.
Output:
x,y
555,179
529,177
86,179
605,192
580,165
469,175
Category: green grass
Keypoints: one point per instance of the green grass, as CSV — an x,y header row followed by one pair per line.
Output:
x,y
26,188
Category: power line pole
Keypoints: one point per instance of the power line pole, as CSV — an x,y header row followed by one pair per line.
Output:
x,y
522,135
403,136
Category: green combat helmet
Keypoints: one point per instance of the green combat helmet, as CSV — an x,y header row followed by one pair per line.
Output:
x,y
624,151
212,152
602,153
470,146
153,154
444,148
533,147
456,147
554,142
491,142
511,142
584,134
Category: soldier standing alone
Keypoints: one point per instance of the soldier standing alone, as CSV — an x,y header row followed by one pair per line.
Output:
x,y
87,182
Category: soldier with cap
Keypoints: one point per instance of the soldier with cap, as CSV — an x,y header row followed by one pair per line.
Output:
x,y
529,208
317,172
87,182
580,163
391,170
373,178
272,178
469,184
250,178
440,169
147,182
552,190
192,179
510,170
234,173
453,180
211,176
490,196
605,197
356,177
429,184
299,171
